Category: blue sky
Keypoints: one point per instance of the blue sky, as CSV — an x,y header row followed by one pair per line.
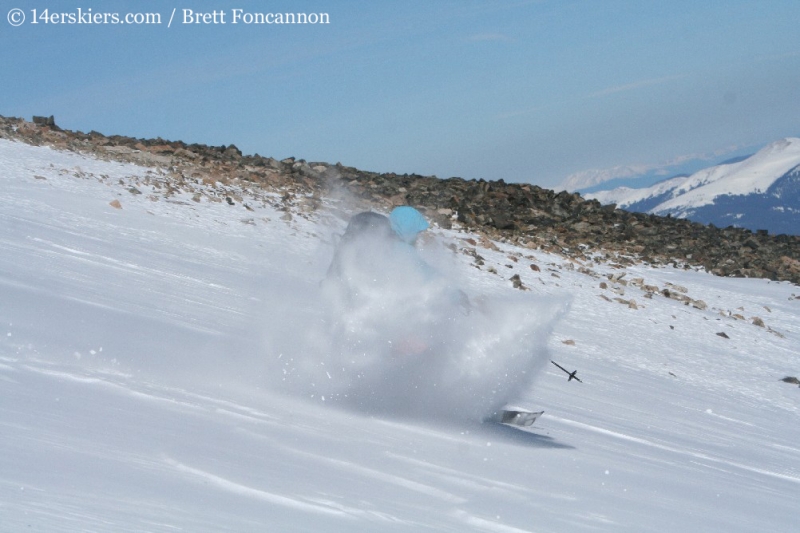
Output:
x,y
527,91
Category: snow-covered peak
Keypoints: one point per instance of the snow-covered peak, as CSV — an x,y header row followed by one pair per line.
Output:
x,y
752,175
680,195
624,196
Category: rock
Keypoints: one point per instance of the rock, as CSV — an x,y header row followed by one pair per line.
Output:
x,y
117,149
678,288
115,204
488,244
517,283
232,151
723,335
758,322
777,333
672,295
523,214
699,304
472,252
791,379
44,121
161,148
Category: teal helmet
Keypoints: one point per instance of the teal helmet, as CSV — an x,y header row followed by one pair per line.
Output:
x,y
407,223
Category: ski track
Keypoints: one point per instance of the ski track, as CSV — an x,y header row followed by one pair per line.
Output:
x,y
705,457
236,488
132,396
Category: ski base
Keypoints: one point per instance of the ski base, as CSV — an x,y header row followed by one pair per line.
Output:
x,y
518,418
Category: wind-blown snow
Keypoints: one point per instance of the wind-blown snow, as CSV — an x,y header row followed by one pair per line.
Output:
x,y
401,339
141,377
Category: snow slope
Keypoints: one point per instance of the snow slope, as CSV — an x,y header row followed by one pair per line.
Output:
x,y
137,388
736,187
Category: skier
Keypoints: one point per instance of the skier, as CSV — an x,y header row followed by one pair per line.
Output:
x,y
377,271
394,320
372,242
367,227
378,251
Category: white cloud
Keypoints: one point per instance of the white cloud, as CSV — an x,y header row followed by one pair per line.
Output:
x,y
636,85
595,176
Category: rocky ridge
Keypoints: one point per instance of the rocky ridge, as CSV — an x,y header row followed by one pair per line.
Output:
x,y
521,214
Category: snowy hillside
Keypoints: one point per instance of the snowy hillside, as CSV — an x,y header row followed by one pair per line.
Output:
x,y
760,192
167,364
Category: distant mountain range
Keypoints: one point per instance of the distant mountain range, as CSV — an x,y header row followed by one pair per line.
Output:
x,y
758,192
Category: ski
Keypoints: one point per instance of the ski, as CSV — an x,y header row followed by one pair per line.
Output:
x,y
518,418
